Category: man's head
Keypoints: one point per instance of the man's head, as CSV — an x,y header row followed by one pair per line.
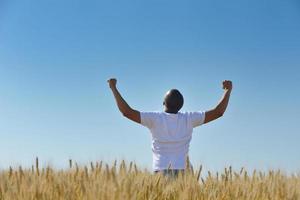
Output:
x,y
173,101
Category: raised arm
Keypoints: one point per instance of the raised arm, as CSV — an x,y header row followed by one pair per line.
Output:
x,y
219,110
124,108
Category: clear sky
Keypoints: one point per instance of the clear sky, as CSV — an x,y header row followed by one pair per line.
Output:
x,y
55,57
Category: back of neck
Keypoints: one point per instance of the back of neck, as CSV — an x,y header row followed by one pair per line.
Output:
x,y
171,112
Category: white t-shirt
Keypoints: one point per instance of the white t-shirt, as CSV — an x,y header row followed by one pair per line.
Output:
x,y
171,136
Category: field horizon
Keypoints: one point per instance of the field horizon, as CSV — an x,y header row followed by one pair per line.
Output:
x,y
123,180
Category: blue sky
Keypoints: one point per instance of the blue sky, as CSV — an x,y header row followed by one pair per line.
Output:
x,y
55,57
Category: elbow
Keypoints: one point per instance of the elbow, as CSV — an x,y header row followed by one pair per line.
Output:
x,y
220,114
125,113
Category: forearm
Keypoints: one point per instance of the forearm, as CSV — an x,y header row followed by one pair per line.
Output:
x,y
222,105
122,104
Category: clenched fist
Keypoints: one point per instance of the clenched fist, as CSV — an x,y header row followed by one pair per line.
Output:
x,y
112,82
227,85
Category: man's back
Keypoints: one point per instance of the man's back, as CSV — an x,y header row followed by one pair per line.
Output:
x,y
171,136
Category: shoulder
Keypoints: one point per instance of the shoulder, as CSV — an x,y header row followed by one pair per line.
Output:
x,y
151,114
149,119
193,114
185,113
196,118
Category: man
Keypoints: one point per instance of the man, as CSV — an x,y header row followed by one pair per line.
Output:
x,y
171,130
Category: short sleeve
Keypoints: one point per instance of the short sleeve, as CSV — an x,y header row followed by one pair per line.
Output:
x,y
148,119
197,118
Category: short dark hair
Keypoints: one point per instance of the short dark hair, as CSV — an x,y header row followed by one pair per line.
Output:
x,y
173,100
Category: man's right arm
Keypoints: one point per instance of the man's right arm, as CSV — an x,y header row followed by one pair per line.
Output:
x,y
220,109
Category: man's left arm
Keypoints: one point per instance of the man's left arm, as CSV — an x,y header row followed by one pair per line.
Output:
x,y
124,108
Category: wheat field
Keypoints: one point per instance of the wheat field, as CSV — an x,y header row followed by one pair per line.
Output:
x,y
126,181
